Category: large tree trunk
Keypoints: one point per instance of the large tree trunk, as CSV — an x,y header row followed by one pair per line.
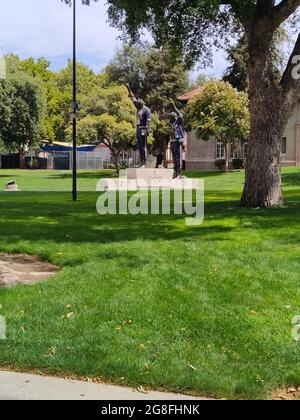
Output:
x,y
263,176
268,119
263,186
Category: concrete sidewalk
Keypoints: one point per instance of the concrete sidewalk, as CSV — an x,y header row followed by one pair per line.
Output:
x,y
17,386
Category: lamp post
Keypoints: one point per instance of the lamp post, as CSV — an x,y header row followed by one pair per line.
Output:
x,y
74,110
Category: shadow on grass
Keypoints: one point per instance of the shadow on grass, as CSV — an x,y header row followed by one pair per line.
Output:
x,y
41,217
84,175
207,174
291,179
210,174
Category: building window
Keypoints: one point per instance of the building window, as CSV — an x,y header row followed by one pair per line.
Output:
x,y
234,153
283,145
220,154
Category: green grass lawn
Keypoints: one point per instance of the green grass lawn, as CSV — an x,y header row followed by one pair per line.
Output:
x,y
203,309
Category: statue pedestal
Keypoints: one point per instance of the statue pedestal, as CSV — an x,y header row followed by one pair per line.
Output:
x,y
147,175
146,178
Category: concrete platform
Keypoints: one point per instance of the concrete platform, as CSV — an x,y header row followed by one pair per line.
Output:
x,y
147,178
138,184
148,174
17,386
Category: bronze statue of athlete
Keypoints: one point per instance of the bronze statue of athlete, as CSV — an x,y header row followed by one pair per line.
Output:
x,y
143,120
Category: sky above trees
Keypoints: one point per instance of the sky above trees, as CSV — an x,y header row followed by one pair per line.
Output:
x,y
43,28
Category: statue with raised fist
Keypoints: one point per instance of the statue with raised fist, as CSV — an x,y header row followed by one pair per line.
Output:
x,y
143,120
176,137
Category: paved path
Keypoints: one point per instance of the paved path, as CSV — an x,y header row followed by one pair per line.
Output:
x,y
17,386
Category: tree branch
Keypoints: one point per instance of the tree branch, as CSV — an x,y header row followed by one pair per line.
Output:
x,y
290,83
107,142
284,10
264,6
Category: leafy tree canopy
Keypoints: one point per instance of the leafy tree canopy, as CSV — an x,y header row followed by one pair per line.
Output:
x,y
221,112
22,106
193,27
108,116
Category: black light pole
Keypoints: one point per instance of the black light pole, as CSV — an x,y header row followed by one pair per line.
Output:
x,y
75,107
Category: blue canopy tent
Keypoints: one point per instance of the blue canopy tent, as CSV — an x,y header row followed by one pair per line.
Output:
x,y
59,148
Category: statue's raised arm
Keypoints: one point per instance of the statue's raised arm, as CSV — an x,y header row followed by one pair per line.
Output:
x,y
131,94
176,110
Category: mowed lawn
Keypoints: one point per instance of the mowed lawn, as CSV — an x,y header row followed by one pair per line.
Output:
x,y
204,309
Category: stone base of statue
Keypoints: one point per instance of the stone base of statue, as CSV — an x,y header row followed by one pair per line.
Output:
x,y
148,174
146,178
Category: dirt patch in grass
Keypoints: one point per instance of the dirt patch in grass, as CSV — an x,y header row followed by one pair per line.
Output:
x,y
287,394
24,269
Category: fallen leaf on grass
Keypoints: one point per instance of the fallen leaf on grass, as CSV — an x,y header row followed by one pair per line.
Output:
x,y
129,322
51,352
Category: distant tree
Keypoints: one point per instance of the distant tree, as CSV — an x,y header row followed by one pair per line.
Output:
x,y
6,109
46,79
20,124
167,79
37,69
87,81
200,80
237,74
129,66
87,130
2,146
108,117
222,112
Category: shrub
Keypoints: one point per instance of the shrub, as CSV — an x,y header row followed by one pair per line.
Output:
x,y
238,163
34,164
220,164
110,166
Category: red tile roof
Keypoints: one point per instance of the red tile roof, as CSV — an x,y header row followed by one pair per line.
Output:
x,y
189,95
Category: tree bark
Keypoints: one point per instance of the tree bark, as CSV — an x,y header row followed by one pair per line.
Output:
x,y
116,161
226,157
263,176
263,186
269,116
22,157
165,153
